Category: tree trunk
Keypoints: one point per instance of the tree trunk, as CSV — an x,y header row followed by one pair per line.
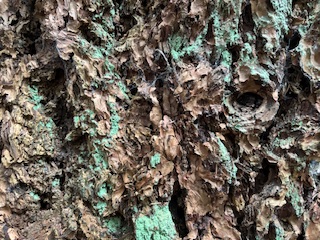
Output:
x,y
159,119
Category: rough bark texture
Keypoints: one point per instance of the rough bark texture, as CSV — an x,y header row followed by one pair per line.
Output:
x,y
159,119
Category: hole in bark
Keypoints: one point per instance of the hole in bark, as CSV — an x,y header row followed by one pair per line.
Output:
x,y
45,201
133,88
235,52
250,100
301,235
32,32
80,234
294,40
268,170
305,84
177,209
262,176
117,225
299,82
15,21
126,23
247,20
264,137
88,35
210,35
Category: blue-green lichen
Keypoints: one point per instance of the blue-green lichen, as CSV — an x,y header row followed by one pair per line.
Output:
x,y
227,161
55,183
114,120
114,225
280,234
155,160
103,191
157,226
295,198
35,97
35,196
100,207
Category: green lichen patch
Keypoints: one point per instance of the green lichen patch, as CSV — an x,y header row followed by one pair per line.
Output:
x,y
114,225
114,120
103,191
100,207
155,160
34,196
55,183
295,198
35,97
157,226
227,161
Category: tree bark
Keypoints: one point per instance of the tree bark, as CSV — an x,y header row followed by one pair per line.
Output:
x,y
159,119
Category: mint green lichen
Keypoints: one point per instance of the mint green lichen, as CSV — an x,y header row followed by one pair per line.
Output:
x,y
55,182
100,207
284,143
295,198
80,159
280,234
86,121
177,44
180,47
158,226
225,30
35,196
35,98
227,161
102,191
123,89
99,160
251,62
278,19
155,160
114,119
114,225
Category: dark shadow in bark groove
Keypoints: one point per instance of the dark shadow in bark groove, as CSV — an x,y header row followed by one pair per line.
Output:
x,y
294,40
250,99
247,20
265,174
45,201
177,209
264,137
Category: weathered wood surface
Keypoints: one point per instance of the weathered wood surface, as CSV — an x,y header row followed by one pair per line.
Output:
x,y
159,119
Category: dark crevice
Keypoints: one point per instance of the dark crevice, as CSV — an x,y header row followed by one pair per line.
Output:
x,y
45,201
235,52
133,89
298,82
127,21
269,6
250,100
80,234
177,209
265,174
272,232
210,35
294,40
301,236
89,35
247,20
285,212
32,34
15,21
264,137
